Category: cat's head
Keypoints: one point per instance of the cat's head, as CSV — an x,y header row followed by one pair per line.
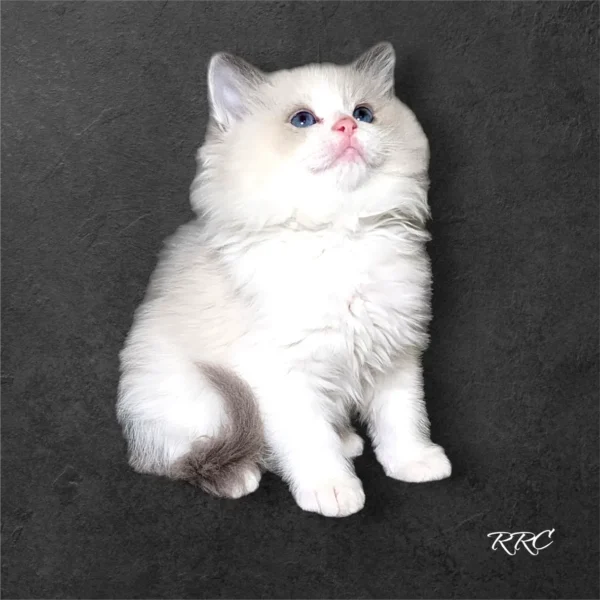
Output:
x,y
312,144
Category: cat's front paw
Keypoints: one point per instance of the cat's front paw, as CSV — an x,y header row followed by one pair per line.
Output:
x,y
336,498
429,463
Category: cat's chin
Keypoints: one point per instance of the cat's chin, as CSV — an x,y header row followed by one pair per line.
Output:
x,y
346,174
351,175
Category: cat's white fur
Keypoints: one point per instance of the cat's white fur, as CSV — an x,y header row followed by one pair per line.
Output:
x,y
307,278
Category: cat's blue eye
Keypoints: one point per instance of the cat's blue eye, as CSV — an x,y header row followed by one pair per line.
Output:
x,y
364,114
303,119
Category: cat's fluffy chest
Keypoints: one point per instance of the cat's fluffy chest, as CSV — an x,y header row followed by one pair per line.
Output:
x,y
357,298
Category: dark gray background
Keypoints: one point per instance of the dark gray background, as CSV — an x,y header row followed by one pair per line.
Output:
x,y
103,108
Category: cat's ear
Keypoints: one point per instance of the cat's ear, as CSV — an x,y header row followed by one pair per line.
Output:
x,y
378,63
231,82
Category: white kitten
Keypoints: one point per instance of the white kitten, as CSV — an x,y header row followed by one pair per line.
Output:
x,y
299,299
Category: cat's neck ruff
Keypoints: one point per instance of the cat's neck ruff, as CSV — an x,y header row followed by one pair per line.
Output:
x,y
404,222
391,201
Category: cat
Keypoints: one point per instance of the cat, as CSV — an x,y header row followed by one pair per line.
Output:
x,y
298,298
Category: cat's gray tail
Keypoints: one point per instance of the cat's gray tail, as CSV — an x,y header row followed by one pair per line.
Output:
x,y
219,464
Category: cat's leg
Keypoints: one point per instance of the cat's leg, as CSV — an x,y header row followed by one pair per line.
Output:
x,y
305,447
399,426
172,416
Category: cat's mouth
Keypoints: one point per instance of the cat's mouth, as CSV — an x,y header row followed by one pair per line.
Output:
x,y
351,153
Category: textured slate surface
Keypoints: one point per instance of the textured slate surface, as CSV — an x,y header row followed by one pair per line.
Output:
x,y
103,108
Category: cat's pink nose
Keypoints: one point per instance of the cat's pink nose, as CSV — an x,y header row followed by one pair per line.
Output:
x,y
345,125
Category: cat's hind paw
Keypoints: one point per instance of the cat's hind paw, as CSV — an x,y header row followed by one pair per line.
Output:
x,y
352,444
